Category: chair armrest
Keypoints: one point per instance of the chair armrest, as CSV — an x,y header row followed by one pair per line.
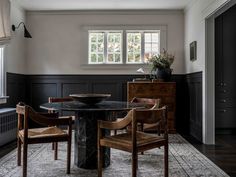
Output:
x,y
49,119
62,121
117,124
50,115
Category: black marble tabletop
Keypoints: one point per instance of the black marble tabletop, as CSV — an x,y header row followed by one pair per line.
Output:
x,y
103,106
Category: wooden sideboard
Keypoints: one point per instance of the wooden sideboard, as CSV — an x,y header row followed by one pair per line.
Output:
x,y
166,91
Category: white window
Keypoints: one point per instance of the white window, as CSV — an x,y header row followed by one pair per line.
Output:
x,y
106,46
151,44
133,49
141,45
2,75
114,47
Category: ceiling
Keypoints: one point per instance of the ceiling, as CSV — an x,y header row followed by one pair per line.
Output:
x,y
101,4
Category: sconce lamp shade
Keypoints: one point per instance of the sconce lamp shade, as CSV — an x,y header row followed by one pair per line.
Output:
x,y
26,32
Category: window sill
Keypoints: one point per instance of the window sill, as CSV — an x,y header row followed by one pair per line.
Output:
x,y
114,66
3,99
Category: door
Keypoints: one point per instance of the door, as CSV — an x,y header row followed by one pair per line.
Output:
x,y
225,69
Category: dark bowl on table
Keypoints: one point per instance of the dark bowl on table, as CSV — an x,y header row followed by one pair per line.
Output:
x,y
90,99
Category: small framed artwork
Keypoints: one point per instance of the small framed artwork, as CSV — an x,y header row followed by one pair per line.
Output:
x,y
193,51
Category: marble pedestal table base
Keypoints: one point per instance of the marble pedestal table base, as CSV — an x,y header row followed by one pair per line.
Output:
x,y
86,138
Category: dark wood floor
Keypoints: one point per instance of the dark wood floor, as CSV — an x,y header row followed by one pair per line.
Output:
x,y
222,154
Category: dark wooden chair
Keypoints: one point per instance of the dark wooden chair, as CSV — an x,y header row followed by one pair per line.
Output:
x,y
47,134
148,101
150,104
57,100
134,141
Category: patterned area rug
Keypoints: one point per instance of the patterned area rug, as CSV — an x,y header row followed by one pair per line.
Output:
x,y
184,160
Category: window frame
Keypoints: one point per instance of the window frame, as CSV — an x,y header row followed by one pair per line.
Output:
x,y
142,32
123,27
105,49
2,75
126,47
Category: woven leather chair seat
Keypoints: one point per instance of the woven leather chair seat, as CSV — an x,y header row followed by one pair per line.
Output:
x,y
44,132
49,134
125,140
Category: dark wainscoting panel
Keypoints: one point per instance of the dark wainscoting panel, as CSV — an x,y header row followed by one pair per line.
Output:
x,y
16,89
112,87
182,108
40,87
194,92
35,90
70,88
39,93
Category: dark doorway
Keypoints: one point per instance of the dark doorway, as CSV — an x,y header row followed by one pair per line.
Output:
x,y
225,72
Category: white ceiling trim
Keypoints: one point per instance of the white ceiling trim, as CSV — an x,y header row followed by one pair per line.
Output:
x,y
36,5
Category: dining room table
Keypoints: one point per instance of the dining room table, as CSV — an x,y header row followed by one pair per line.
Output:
x,y
85,133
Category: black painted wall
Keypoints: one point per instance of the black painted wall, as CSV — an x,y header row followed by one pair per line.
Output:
x,y
194,100
35,90
16,89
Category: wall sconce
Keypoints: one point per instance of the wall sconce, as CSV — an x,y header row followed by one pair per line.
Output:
x,y
26,32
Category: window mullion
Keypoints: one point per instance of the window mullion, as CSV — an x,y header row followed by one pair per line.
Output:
x,y
124,47
151,44
105,47
142,46
1,72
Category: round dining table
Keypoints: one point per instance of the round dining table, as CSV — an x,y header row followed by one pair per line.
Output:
x,y
85,144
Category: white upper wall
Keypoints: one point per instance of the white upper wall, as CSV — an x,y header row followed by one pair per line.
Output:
x,y
15,60
195,16
58,44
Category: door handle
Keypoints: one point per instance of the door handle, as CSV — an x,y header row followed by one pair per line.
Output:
x,y
223,110
223,91
223,101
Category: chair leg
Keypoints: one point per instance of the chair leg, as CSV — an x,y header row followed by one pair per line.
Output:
x,y
53,146
134,164
166,160
68,156
159,129
18,151
25,149
55,150
100,160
